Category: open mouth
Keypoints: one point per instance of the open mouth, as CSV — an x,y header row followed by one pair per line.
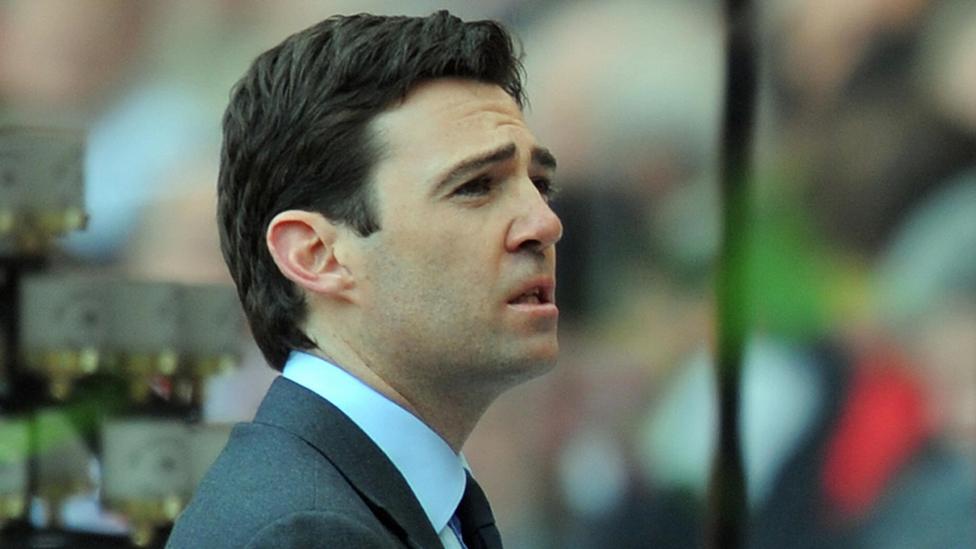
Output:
x,y
535,295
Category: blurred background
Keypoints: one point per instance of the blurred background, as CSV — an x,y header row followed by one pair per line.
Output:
x,y
859,388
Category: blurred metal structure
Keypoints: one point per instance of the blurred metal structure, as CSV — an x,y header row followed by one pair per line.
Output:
x,y
95,369
152,466
41,188
75,325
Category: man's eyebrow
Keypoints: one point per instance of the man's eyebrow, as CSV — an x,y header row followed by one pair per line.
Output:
x,y
543,157
473,164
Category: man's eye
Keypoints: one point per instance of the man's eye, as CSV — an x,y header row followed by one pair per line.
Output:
x,y
546,187
476,187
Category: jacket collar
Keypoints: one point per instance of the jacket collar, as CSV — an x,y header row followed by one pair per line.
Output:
x,y
303,413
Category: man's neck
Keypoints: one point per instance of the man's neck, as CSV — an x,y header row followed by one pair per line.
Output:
x,y
451,413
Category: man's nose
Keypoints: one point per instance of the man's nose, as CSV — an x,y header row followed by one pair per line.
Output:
x,y
536,227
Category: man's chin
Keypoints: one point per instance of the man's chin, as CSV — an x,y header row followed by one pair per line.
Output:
x,y
536,363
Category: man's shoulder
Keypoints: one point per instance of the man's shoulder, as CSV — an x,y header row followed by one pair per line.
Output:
x,y
269,483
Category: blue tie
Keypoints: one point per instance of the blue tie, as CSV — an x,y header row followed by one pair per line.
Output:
x,y
455,524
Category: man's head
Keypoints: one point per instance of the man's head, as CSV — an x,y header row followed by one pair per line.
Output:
x,y
377,173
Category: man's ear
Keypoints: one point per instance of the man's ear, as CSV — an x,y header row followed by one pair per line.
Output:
x,y
302,244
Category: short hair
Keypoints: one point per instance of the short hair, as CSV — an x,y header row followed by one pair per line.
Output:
x,y
296,135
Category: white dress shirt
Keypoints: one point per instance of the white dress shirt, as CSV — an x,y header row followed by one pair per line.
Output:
x,y
435,474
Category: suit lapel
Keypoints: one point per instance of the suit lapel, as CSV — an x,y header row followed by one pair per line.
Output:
x,y
300,411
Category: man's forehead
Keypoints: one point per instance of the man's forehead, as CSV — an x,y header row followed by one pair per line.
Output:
x,y
444,121
437,105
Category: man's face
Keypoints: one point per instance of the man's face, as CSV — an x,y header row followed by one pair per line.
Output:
x,y
458,285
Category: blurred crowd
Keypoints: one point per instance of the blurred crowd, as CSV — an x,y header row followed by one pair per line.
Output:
x,y
859,385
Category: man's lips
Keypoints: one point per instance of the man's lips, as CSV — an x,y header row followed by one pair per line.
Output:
x,y
536,291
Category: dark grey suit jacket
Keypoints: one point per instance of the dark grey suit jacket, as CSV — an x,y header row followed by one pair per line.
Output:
x,y
302,474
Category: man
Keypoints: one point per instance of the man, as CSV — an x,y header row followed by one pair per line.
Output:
x,y
384,213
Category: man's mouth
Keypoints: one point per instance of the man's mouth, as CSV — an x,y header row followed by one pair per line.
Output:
x,y
533,297
537,292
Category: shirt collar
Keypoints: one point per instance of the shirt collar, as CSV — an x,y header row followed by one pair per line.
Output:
x,y
431,468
